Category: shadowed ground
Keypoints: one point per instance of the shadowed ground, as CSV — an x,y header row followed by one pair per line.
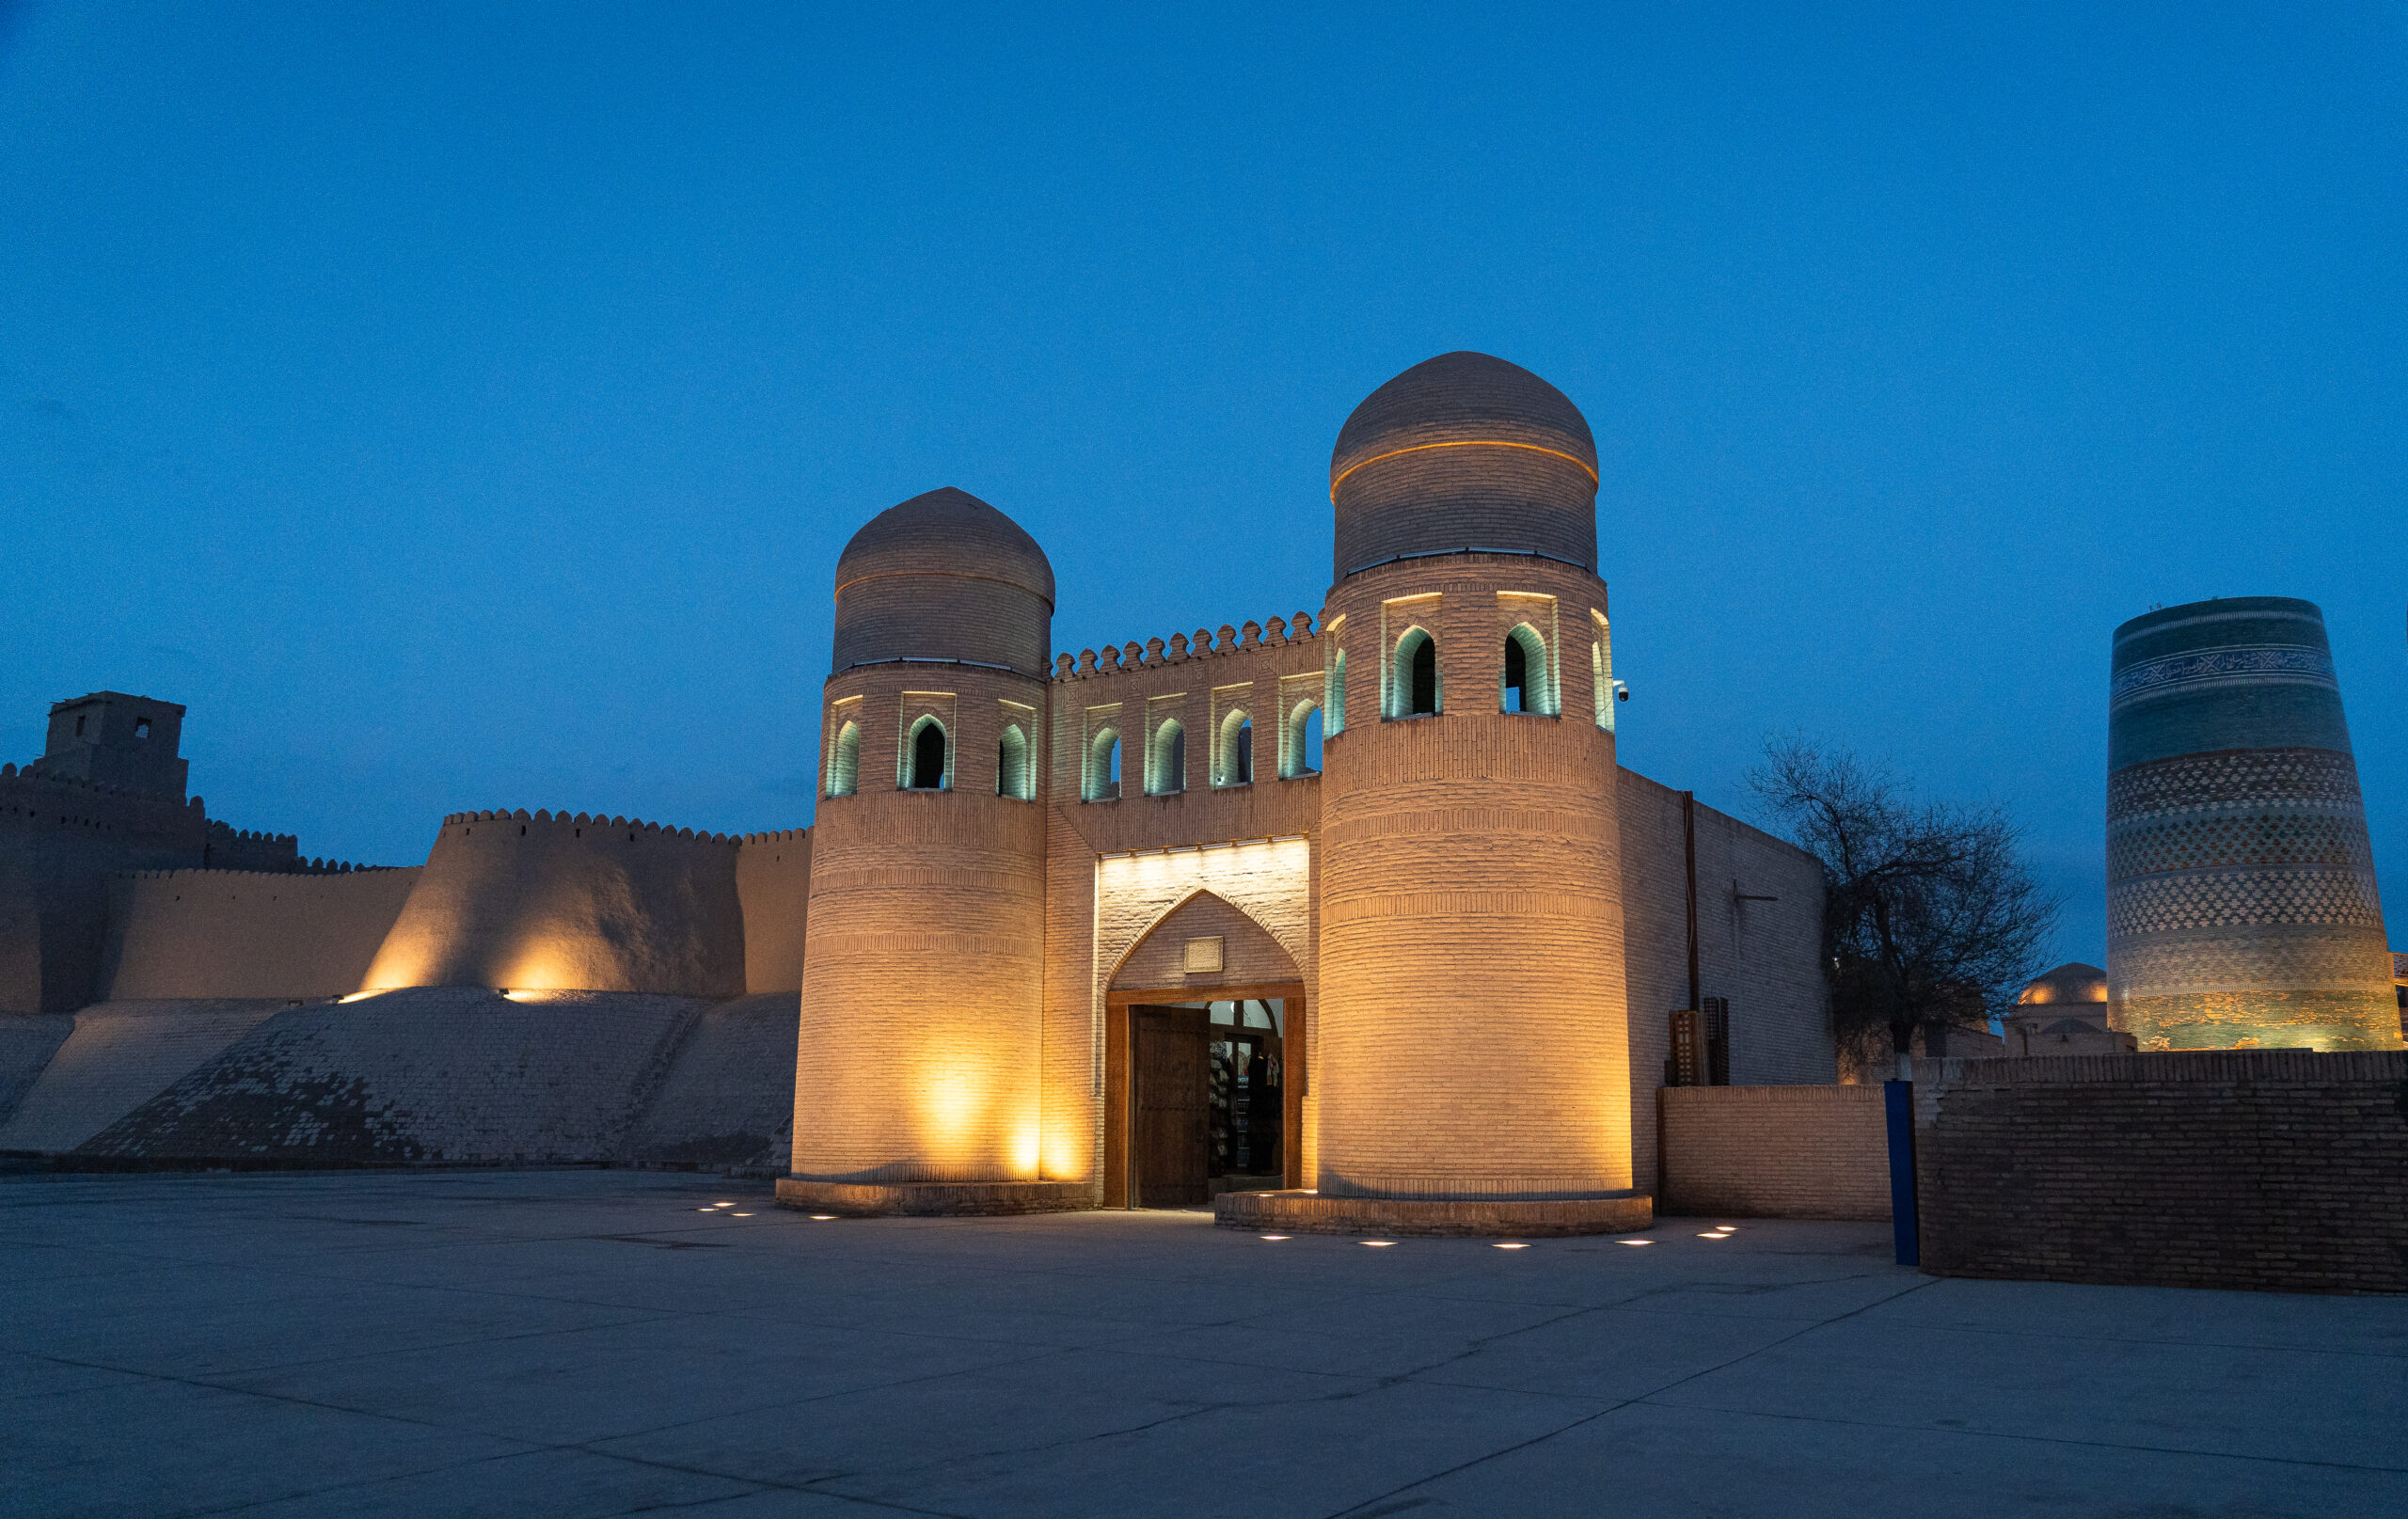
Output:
x,y
595,1343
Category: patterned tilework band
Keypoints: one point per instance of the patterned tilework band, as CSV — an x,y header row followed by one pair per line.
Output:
x,y
2242,905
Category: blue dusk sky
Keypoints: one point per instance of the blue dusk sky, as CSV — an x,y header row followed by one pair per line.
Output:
x,y
464,406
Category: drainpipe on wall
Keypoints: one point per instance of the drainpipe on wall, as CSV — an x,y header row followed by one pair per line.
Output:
x,y
1689,848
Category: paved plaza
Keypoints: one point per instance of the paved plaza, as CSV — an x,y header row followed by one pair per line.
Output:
x,y
591,1342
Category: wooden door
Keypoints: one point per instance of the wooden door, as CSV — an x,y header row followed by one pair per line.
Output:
x,y
1172,1107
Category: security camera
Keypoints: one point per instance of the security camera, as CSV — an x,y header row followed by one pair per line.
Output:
x,y
1622,694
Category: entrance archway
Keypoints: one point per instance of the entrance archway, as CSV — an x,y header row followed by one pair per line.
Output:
x,y
1204,1061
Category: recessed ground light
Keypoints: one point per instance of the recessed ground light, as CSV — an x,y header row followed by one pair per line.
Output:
x,y
1510,1244
1275,1236
739,1215
1713,1236
1634,1241
823,1217
1379,1244
701,1210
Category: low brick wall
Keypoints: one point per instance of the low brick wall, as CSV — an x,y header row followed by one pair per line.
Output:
x,y
2281,1169
1774,1151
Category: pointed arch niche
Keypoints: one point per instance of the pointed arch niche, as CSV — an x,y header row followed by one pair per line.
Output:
x,y
1251,956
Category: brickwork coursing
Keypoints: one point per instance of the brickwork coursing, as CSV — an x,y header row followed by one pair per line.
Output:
x,y
1762,957
922,1050
2284,1170
1775,1151
1463,451
1470,904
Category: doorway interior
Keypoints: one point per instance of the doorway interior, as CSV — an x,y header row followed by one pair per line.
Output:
x,y
1204,1096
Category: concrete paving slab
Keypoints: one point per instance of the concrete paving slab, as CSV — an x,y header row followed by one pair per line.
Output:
x,y
161,1448
1677,1463
2229,1400
599,1342
524,1486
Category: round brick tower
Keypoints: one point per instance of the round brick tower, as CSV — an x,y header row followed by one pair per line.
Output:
x,y
916,1085
1473,1045
2242,908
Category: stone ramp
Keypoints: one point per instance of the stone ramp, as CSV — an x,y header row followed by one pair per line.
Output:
x,y
438,1075
119,1057
728,1101
27,1040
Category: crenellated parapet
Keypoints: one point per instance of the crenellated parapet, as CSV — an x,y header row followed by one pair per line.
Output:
x,y
308,867
784,836
1155,653
577,823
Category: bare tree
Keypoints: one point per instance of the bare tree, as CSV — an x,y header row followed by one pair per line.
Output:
x,y
1930,918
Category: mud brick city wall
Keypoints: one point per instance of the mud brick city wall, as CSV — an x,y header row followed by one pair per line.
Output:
x,y
2274,1170
1775,1152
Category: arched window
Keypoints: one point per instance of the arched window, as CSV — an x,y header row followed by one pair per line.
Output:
x,y
1413,682
1300,740
1334,695
1166,760
1235,763
1526,687
844,761
1103,766
927,755
1012,775
1601,680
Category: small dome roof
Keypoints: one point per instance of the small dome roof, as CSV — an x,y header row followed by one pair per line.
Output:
x,y
1457,398
946,532
2072,981
1464,450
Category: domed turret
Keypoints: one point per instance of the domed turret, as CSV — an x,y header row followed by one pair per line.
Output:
x,y
1464,450
923,948
945,575
1469,831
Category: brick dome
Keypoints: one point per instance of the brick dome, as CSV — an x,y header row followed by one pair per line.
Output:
x,y
945,575
2072,983
1463,451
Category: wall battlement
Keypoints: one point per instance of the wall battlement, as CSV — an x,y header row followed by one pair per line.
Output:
x,y
583,821
1155,653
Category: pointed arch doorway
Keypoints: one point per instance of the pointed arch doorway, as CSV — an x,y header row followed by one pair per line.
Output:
x,y
1204,1068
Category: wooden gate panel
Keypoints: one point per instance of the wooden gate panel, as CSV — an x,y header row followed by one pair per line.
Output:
x,y
1172,1106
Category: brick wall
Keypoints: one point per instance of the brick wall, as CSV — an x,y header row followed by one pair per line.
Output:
x,y
1775,1151
1764,956
241,933
2282,1169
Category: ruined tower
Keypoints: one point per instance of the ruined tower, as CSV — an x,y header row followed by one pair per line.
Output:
x,y
918,1061
1473,1042
2242,908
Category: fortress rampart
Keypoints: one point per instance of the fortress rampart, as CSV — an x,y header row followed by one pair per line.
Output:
x,y
582,902
234,933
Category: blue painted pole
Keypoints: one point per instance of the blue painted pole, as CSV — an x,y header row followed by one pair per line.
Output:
x,y
1898,1104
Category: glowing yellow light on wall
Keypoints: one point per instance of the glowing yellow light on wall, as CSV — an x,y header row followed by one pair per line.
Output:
x,y
1465,443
